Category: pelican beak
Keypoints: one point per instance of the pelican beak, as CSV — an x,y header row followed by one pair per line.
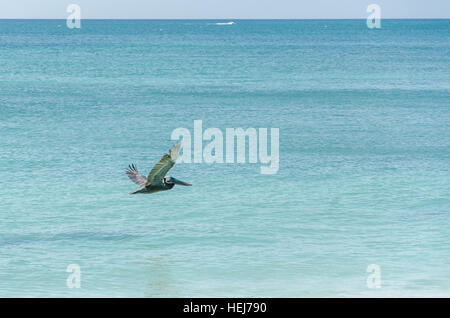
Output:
x,y
176,181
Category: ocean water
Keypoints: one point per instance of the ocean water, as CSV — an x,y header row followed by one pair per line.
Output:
x,y
364,174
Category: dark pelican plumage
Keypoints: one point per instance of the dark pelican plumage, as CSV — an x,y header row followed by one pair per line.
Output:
x,y
156,180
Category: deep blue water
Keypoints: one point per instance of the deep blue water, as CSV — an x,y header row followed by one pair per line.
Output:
x,y
364,173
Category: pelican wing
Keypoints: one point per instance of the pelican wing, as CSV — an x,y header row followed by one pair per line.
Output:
x,y
160,170
135,176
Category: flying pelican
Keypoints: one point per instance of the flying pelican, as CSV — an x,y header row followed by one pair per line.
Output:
x,y
156,180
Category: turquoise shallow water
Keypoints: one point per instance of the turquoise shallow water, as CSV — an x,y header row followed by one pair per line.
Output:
x,y
364,158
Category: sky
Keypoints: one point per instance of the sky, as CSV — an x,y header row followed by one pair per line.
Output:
x,y
223,9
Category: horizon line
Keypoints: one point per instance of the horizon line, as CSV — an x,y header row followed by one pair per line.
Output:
x,y
227,19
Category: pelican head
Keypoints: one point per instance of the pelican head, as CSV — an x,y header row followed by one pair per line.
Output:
x,y
173,181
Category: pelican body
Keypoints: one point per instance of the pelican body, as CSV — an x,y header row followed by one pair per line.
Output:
x,y
156,180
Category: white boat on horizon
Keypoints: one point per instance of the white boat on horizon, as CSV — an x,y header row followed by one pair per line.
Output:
x,y
226,23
